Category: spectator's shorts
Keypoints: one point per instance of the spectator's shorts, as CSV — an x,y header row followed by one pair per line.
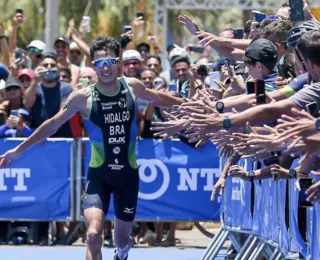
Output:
x,y
124,185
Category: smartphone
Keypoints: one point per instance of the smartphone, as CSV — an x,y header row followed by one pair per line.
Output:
x,y
214,75
312,108
296,10
140,14
172,87
226,63
127,28
19,11
86,22
258,17
18,54
251,87
14,113
304,184
238,33
197,49
260,92
84,82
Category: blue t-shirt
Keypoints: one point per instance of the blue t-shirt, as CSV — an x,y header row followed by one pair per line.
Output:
x,y
270,82
47,104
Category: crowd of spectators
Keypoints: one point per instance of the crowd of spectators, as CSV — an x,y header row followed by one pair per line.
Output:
x,y
276,56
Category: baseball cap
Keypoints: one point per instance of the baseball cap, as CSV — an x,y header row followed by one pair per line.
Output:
x,y
264,51
27,72
74,46
37,44
4,73
131,55
24,112
50,54
178,51
12,82
61,39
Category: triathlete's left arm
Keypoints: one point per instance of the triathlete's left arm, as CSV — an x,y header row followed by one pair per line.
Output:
x,y
158,98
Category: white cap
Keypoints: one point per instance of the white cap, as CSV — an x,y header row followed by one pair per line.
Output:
x,y
2,84
37,44
178,51
131,55
74,46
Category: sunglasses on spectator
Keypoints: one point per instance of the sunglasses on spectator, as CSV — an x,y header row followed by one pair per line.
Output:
x,y
134,63
12,88
64,76
105,62
52,65
34,49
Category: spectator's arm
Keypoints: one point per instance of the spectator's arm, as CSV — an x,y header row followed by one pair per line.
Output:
x,y
13,35
75,74
244,102
4,48
230,53
29,97
263,113
85,49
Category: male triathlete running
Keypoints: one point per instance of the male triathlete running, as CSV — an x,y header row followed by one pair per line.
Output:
x,y
109,110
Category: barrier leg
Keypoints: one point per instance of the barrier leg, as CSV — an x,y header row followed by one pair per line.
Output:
x,y
234,240
217,246
244,247
257,252
275,254
249,249
214,240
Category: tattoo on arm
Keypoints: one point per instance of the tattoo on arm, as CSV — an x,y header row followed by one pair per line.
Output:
x,y
65,106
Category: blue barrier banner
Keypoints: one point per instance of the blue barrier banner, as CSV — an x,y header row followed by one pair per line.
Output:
x,y
237,195
176,181
315,240
37,185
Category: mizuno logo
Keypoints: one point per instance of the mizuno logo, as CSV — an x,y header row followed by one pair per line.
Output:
x,y
128,210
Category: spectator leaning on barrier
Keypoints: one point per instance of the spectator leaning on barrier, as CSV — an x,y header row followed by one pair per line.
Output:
x,y
17,126
46,95
261,58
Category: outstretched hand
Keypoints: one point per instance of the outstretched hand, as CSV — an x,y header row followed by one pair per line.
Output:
x,y
190,24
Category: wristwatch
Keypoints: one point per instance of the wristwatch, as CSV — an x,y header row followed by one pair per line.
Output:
x,y
292,174
220,107
251,175
226,123
318,124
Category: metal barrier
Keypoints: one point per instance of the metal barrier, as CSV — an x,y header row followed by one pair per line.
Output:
x,y
269,236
